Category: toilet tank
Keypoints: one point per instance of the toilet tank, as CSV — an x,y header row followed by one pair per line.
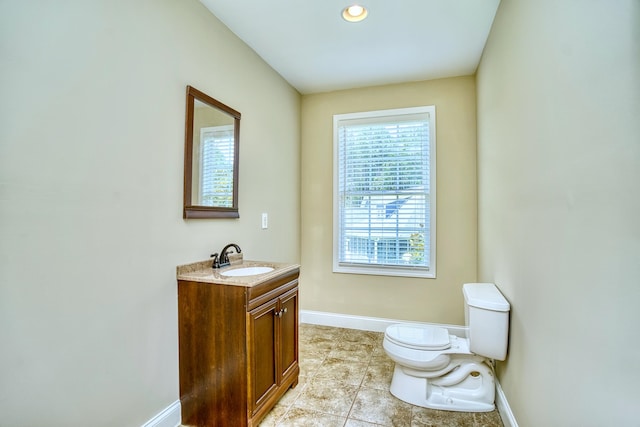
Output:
x,y
486,313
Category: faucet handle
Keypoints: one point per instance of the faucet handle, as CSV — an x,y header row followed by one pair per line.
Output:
x,y
216,260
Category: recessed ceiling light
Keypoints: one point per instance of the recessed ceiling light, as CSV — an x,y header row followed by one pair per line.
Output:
x,y
355,13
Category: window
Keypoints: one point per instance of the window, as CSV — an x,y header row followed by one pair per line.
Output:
x,y
216,166
384,192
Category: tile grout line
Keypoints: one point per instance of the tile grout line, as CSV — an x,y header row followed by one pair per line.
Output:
x,y
358,391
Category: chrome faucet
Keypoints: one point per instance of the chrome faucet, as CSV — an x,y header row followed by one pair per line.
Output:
x,y
222,260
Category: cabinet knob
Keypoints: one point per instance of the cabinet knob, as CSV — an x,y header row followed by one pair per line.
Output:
x,y
281,312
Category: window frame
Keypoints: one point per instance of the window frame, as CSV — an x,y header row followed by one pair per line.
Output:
x,y
382,269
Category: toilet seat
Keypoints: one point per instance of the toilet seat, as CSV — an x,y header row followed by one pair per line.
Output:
x,y
419,337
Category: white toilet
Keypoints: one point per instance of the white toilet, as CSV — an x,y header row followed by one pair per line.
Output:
x,y
441,371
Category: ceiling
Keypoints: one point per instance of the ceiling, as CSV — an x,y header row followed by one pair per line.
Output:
x,y
316,50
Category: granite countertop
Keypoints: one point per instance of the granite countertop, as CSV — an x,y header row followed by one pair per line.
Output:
x,y
201,271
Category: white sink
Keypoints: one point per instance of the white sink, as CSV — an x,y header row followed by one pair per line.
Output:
x,y
247,271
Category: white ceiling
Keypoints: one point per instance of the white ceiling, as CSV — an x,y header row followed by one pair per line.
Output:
x,y
315,50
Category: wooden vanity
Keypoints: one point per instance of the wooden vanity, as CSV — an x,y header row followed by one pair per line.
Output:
x,y
238,342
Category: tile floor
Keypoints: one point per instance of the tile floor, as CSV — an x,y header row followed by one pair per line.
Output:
x,y
344,382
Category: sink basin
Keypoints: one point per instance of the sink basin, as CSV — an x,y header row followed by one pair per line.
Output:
x,y
246,271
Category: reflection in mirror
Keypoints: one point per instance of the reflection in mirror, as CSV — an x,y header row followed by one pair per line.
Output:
x,y
212,161
211,158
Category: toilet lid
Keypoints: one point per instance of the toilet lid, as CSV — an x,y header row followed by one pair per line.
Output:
x,y
419,336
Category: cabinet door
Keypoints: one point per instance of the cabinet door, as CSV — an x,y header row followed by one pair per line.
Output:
x,y
262,338
288,332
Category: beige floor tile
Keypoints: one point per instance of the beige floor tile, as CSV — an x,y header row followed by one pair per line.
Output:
x,y
293,393
361,337
275,415
283,405
380,407
347,350
339,370
487,419
329,397
320,332
299,417
317,344
358,423
309,365
424,417
378,351
379,373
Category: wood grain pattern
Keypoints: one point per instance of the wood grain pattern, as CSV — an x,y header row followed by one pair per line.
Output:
x,y
236,362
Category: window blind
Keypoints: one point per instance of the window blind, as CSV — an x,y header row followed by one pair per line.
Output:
x,y
216,166
383,189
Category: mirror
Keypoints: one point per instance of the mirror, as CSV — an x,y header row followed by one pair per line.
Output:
x,y
212,139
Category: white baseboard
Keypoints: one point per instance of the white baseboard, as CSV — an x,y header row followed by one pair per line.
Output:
x,y
378,324
375,324
169,417
503,408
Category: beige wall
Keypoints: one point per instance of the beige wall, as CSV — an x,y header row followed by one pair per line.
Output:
x,y
91,230
432,300
559,205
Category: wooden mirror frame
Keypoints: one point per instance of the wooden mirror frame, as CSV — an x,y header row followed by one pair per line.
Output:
x,y
197,211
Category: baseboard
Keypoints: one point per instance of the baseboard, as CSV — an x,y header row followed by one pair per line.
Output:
x,y
169,417
376,324
503,408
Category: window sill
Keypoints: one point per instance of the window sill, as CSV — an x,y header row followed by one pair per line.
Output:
x,y
379,270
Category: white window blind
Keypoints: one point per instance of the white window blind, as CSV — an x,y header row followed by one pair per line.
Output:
x,y
384,192
216,166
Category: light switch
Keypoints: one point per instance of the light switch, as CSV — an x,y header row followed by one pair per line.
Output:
x,y
265,220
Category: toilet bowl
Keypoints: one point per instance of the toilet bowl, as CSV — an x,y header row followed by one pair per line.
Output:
x,y
438,370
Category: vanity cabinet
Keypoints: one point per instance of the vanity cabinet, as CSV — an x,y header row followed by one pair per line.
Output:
x,y
238,349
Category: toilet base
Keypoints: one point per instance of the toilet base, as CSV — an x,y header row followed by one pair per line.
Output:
x,y
468,387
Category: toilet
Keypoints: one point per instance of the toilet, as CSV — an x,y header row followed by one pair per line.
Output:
x,y
438,370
